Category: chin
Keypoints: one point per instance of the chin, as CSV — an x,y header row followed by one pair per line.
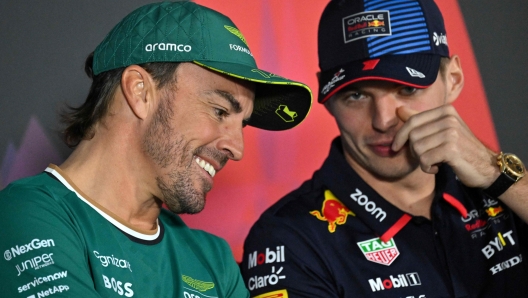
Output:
x,y
392,171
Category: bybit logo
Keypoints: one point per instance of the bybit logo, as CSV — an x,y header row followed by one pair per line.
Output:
x,y
439,39
498,244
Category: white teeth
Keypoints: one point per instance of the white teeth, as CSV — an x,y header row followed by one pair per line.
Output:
x,y
206,166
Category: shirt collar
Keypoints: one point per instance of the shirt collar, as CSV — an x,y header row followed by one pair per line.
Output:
x,y
376,212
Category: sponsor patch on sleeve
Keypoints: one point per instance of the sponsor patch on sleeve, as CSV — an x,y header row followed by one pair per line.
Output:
x,y
274,294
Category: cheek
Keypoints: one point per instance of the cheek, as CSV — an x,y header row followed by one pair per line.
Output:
x,y
197,125
353,125
352,117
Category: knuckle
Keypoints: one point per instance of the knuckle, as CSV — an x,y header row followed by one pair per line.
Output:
x,y
452,121
451,135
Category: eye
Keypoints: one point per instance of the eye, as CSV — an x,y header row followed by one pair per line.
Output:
x,y
408,90
352,95
355,96
220,113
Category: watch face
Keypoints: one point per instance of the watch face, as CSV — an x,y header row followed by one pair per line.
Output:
x,y
513,165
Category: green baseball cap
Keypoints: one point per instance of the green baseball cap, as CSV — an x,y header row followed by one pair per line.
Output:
x,y
184,31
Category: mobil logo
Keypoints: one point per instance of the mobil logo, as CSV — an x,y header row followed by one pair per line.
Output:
x,y
267,257
394,282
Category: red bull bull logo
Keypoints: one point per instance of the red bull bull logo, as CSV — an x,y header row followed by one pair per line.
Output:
x,y
494,211
376,23
333,211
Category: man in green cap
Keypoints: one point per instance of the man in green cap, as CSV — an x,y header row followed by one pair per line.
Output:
x,y
173,86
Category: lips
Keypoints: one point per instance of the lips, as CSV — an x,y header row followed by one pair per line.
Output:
x,y
205,165
383,150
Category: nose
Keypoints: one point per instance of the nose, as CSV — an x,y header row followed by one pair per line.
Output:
x,y
232,142
384,113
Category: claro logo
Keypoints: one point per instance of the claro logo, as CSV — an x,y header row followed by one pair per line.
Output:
x,y
370,206
35,244
258,282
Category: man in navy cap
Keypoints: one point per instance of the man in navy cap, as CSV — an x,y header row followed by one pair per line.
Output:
x,y
409,203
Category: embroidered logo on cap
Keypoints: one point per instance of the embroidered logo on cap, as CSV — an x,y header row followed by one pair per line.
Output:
x,y
370,64
336,78
415,73
378,251
236,32
439,39
285,114
366,24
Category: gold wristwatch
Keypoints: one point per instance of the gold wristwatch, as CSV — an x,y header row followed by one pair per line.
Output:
x,y
512,170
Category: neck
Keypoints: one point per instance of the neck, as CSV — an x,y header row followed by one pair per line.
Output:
x,y
115,176
412,193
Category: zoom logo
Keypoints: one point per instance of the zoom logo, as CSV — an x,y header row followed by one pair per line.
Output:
x,y
370,206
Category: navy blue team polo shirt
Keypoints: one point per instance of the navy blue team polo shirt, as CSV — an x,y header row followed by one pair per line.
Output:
x,y
336,237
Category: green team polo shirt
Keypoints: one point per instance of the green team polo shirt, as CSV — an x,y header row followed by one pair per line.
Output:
x,y
57,242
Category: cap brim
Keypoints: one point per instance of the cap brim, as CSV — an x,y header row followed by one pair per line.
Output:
x,y
415,70
280,103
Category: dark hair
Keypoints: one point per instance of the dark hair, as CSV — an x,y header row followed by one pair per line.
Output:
x,y
79,121
444,62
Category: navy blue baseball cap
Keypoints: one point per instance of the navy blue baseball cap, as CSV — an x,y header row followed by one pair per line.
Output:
x,y
398,40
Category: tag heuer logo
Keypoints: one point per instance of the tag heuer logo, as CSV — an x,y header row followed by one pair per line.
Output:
x,y
378,251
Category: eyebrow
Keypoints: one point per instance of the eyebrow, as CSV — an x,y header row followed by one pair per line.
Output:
x,y
232,101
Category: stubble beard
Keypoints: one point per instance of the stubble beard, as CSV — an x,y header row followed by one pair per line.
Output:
x,y
389,172
382,168
170,150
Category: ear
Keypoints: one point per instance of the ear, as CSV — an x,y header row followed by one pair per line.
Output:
x,y
138,88
454,79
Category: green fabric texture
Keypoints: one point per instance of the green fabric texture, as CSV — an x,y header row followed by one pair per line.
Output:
x,y
56,244
187,32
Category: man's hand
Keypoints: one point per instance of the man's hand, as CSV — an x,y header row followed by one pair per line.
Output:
x,y
441,136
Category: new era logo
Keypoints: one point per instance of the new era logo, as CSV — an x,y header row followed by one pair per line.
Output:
x,y
415,73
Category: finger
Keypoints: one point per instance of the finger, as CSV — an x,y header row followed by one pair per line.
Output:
x,y
434,150
404,113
